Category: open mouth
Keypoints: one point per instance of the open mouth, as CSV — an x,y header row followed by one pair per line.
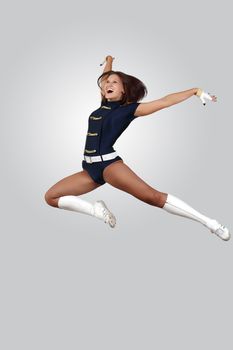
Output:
x,y
109,91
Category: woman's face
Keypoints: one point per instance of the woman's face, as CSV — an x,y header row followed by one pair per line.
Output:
x,y
114,84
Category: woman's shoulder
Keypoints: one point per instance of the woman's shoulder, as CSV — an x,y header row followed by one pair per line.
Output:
x,y
126,104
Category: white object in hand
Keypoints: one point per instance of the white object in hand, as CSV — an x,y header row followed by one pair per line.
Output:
x,y
203,95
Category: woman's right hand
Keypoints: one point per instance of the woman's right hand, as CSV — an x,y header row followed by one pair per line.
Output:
x,y
107,59
110,58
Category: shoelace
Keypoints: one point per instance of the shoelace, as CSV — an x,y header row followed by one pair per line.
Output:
x,y
105,214
220,230
223,233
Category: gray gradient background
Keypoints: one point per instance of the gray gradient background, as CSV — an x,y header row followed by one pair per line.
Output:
x,y
157,281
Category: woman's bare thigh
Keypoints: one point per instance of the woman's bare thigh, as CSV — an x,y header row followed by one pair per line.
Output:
x,y
119,175
75,184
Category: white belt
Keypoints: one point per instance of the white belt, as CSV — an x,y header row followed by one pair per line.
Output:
x,y
92,159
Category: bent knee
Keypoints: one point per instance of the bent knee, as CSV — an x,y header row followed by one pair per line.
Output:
x,y
53,202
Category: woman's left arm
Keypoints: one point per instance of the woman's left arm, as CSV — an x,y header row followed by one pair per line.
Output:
x,y
178,97
170,100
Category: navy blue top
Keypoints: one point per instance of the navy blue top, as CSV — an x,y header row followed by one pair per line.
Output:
x,y
106,124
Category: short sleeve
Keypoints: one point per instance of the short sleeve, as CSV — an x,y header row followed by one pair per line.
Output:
x,y
131,108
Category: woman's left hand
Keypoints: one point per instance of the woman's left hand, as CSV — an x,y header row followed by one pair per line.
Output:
x,y
204,95
214,98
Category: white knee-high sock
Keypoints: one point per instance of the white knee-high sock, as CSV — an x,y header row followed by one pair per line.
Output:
x,y
75,203
176,206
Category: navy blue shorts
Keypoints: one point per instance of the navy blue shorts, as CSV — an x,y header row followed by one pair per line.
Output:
x,y
95,170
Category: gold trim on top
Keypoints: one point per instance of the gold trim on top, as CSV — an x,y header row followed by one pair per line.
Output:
x,y
95,118
90,151
92,134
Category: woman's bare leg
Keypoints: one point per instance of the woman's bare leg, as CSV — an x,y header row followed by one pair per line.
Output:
x,y
76,185
119,175
65,195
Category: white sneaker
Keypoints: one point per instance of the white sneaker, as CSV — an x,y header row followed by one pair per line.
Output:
x,y
102,212
222,232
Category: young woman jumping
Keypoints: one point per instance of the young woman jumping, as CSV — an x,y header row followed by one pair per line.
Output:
x,y
101,164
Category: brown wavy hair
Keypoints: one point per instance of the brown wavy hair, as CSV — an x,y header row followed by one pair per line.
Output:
x,y
134,88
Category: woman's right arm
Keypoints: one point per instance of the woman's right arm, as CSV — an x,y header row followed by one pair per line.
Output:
x,y
108,66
